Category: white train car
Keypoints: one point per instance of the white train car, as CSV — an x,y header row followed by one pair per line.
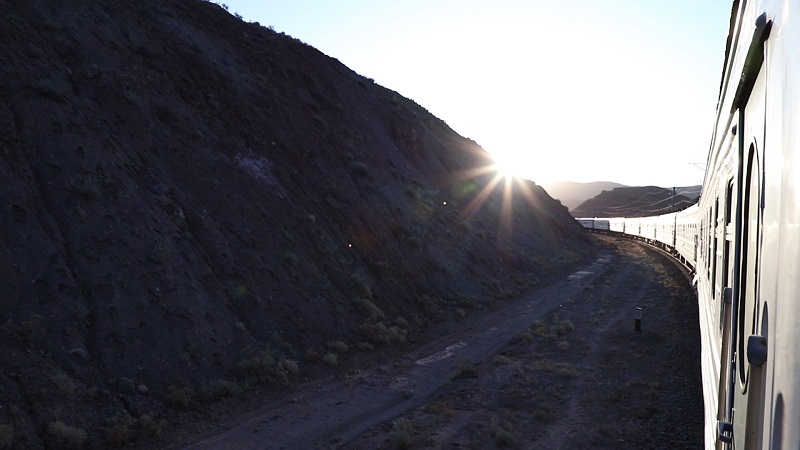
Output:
x,y
686,238
633,226
647,228
594,223
675,232
665,230
748,254
616,224
743,238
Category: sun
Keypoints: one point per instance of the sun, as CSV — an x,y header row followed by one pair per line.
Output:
x,y
505,171
509,167
502,176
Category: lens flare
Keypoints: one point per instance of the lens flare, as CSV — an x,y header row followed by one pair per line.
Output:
x,y
498,176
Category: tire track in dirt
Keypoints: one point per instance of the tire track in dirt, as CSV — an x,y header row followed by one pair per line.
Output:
x,y
332,415
574,422
579,377
560,368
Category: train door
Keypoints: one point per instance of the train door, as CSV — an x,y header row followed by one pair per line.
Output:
x,y
724,254
745,399
751,342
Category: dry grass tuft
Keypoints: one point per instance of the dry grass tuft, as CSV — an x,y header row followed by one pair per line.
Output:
x,y
330,359
65,436
6,436
466,369
338,346
501,359
403,433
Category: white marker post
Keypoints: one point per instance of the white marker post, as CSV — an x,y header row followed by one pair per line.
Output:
x,y
638,319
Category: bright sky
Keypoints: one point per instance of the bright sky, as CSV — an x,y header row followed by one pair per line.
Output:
x,y
564,90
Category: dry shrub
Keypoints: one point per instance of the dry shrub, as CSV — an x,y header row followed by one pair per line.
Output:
x,y
180,398
361,282
545,412
65,436
265,368
364,346
566,370
150,426
502,433
501,359
290,366
120,432
403,435
125,431
220,389
466,369
330,359
312,355
380,333
338,346
64,384
373,312
6,436
525,336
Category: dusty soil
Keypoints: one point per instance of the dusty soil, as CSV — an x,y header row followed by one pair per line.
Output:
x,y
561,368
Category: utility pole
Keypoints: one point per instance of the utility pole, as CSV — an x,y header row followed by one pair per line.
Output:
x,y
673,199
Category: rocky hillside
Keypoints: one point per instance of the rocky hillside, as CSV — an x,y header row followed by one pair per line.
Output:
x,y
633,202
193,206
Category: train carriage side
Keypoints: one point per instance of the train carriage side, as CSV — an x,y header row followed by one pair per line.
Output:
x,y
647,228
593,223
665,230
633,226
586,223
748,252
616,224
686,238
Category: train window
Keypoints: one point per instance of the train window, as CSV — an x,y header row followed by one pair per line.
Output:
x,y
710,232
728,245
728,229
747,308
713,259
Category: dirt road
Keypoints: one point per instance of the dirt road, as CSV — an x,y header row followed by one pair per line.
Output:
x,y
562,367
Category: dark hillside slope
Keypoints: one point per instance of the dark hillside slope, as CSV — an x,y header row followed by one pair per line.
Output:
x,y
193,206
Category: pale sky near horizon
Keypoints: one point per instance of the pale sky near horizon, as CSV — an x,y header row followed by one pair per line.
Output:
x,y
567,90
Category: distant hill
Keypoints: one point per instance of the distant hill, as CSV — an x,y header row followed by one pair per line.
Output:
x,y
633,202
571,194
692,192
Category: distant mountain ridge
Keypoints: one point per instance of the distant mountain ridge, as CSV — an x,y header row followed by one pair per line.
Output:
x,y
573,194
633,202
